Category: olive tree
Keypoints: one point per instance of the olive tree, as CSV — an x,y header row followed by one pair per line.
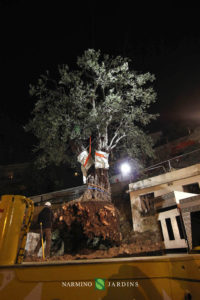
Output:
x,y
86,114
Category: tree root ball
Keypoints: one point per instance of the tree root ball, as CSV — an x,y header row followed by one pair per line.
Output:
x,y
92,224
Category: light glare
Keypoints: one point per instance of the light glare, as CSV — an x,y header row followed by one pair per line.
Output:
x,y
125,168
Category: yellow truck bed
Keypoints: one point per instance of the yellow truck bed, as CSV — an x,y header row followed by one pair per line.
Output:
x,y
159,277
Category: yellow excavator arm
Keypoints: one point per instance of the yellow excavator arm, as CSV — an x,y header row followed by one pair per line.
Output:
x,y
16,213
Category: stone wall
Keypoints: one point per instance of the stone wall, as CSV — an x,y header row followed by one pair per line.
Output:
x,y
187,206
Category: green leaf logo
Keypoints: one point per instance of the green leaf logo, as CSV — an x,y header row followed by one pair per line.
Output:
x,y
99,284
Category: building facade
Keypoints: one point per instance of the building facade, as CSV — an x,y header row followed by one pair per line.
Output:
x,y
169,203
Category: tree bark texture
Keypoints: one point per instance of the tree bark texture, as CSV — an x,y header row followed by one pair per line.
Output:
x,y
98,185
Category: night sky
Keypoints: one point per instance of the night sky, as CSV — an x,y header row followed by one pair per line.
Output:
x,y
37,36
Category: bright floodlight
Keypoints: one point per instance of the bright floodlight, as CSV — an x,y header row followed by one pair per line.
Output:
x,y
125,168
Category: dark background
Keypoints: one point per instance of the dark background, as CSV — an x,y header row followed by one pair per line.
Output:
x,y
37,36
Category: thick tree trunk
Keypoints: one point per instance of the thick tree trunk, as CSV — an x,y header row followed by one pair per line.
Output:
x,y
98,185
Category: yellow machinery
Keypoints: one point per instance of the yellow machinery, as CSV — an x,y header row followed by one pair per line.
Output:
x,y
15,218
173,277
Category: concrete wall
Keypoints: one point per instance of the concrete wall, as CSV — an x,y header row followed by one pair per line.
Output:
x,y
178,242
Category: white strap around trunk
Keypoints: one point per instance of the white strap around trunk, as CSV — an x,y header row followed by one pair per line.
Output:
x,y
101,160
82,159
86,163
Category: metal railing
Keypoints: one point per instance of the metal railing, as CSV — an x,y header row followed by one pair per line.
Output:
x,y
177,162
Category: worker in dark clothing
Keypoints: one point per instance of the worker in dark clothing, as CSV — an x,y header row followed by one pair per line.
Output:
x,y
46,218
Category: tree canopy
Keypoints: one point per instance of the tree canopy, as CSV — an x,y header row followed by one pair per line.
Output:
x,y
102,98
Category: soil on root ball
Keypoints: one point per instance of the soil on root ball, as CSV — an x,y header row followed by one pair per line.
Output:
x,y
89,224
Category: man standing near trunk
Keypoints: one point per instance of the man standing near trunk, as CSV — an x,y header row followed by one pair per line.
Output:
x,y
46,218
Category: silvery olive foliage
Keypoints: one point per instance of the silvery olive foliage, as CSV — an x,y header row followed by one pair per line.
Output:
x,y
102,98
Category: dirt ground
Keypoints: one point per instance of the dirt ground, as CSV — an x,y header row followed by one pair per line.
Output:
x,y
125,250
